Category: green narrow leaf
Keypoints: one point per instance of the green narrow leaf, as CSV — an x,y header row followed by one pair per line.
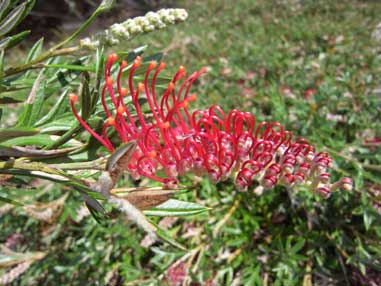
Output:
x,y
56,109
66,76
176,208
9,260
16,90
12,94
167,238
24,118
72,67
162,81
298,246
15,132
2,53
33,140
9,201
38,140
362,268
155,57
17,151
13,18
29,7
35,51
11,41
95,195
96,209
62,124
37,174
367,220
131,55
84,92
37,106
4,5
99,63
65,137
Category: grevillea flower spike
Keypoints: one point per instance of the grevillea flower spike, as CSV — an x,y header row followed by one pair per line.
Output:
x,y
177,141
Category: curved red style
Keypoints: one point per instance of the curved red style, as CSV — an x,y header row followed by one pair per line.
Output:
x,y
174,140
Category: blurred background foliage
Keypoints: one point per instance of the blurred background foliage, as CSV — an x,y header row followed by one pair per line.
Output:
x,y
53,19
315,67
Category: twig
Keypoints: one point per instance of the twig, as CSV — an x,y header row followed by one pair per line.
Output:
x,y
342,251
345,272
307,279
134,214
226,217
98,164
58,174
35,63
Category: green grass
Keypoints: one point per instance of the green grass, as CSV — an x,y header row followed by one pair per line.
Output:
x,y
253,51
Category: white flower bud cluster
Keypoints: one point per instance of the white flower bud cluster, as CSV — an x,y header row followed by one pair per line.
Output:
x,y
132,27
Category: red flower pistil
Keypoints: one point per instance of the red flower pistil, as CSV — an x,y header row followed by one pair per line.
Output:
x,y
172,141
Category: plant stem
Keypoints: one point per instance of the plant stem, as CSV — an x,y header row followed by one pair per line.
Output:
x,y
29,166
98,164
35,63
20,164
103,7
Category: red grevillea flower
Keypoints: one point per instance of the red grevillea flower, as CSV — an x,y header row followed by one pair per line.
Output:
x,y
176,141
